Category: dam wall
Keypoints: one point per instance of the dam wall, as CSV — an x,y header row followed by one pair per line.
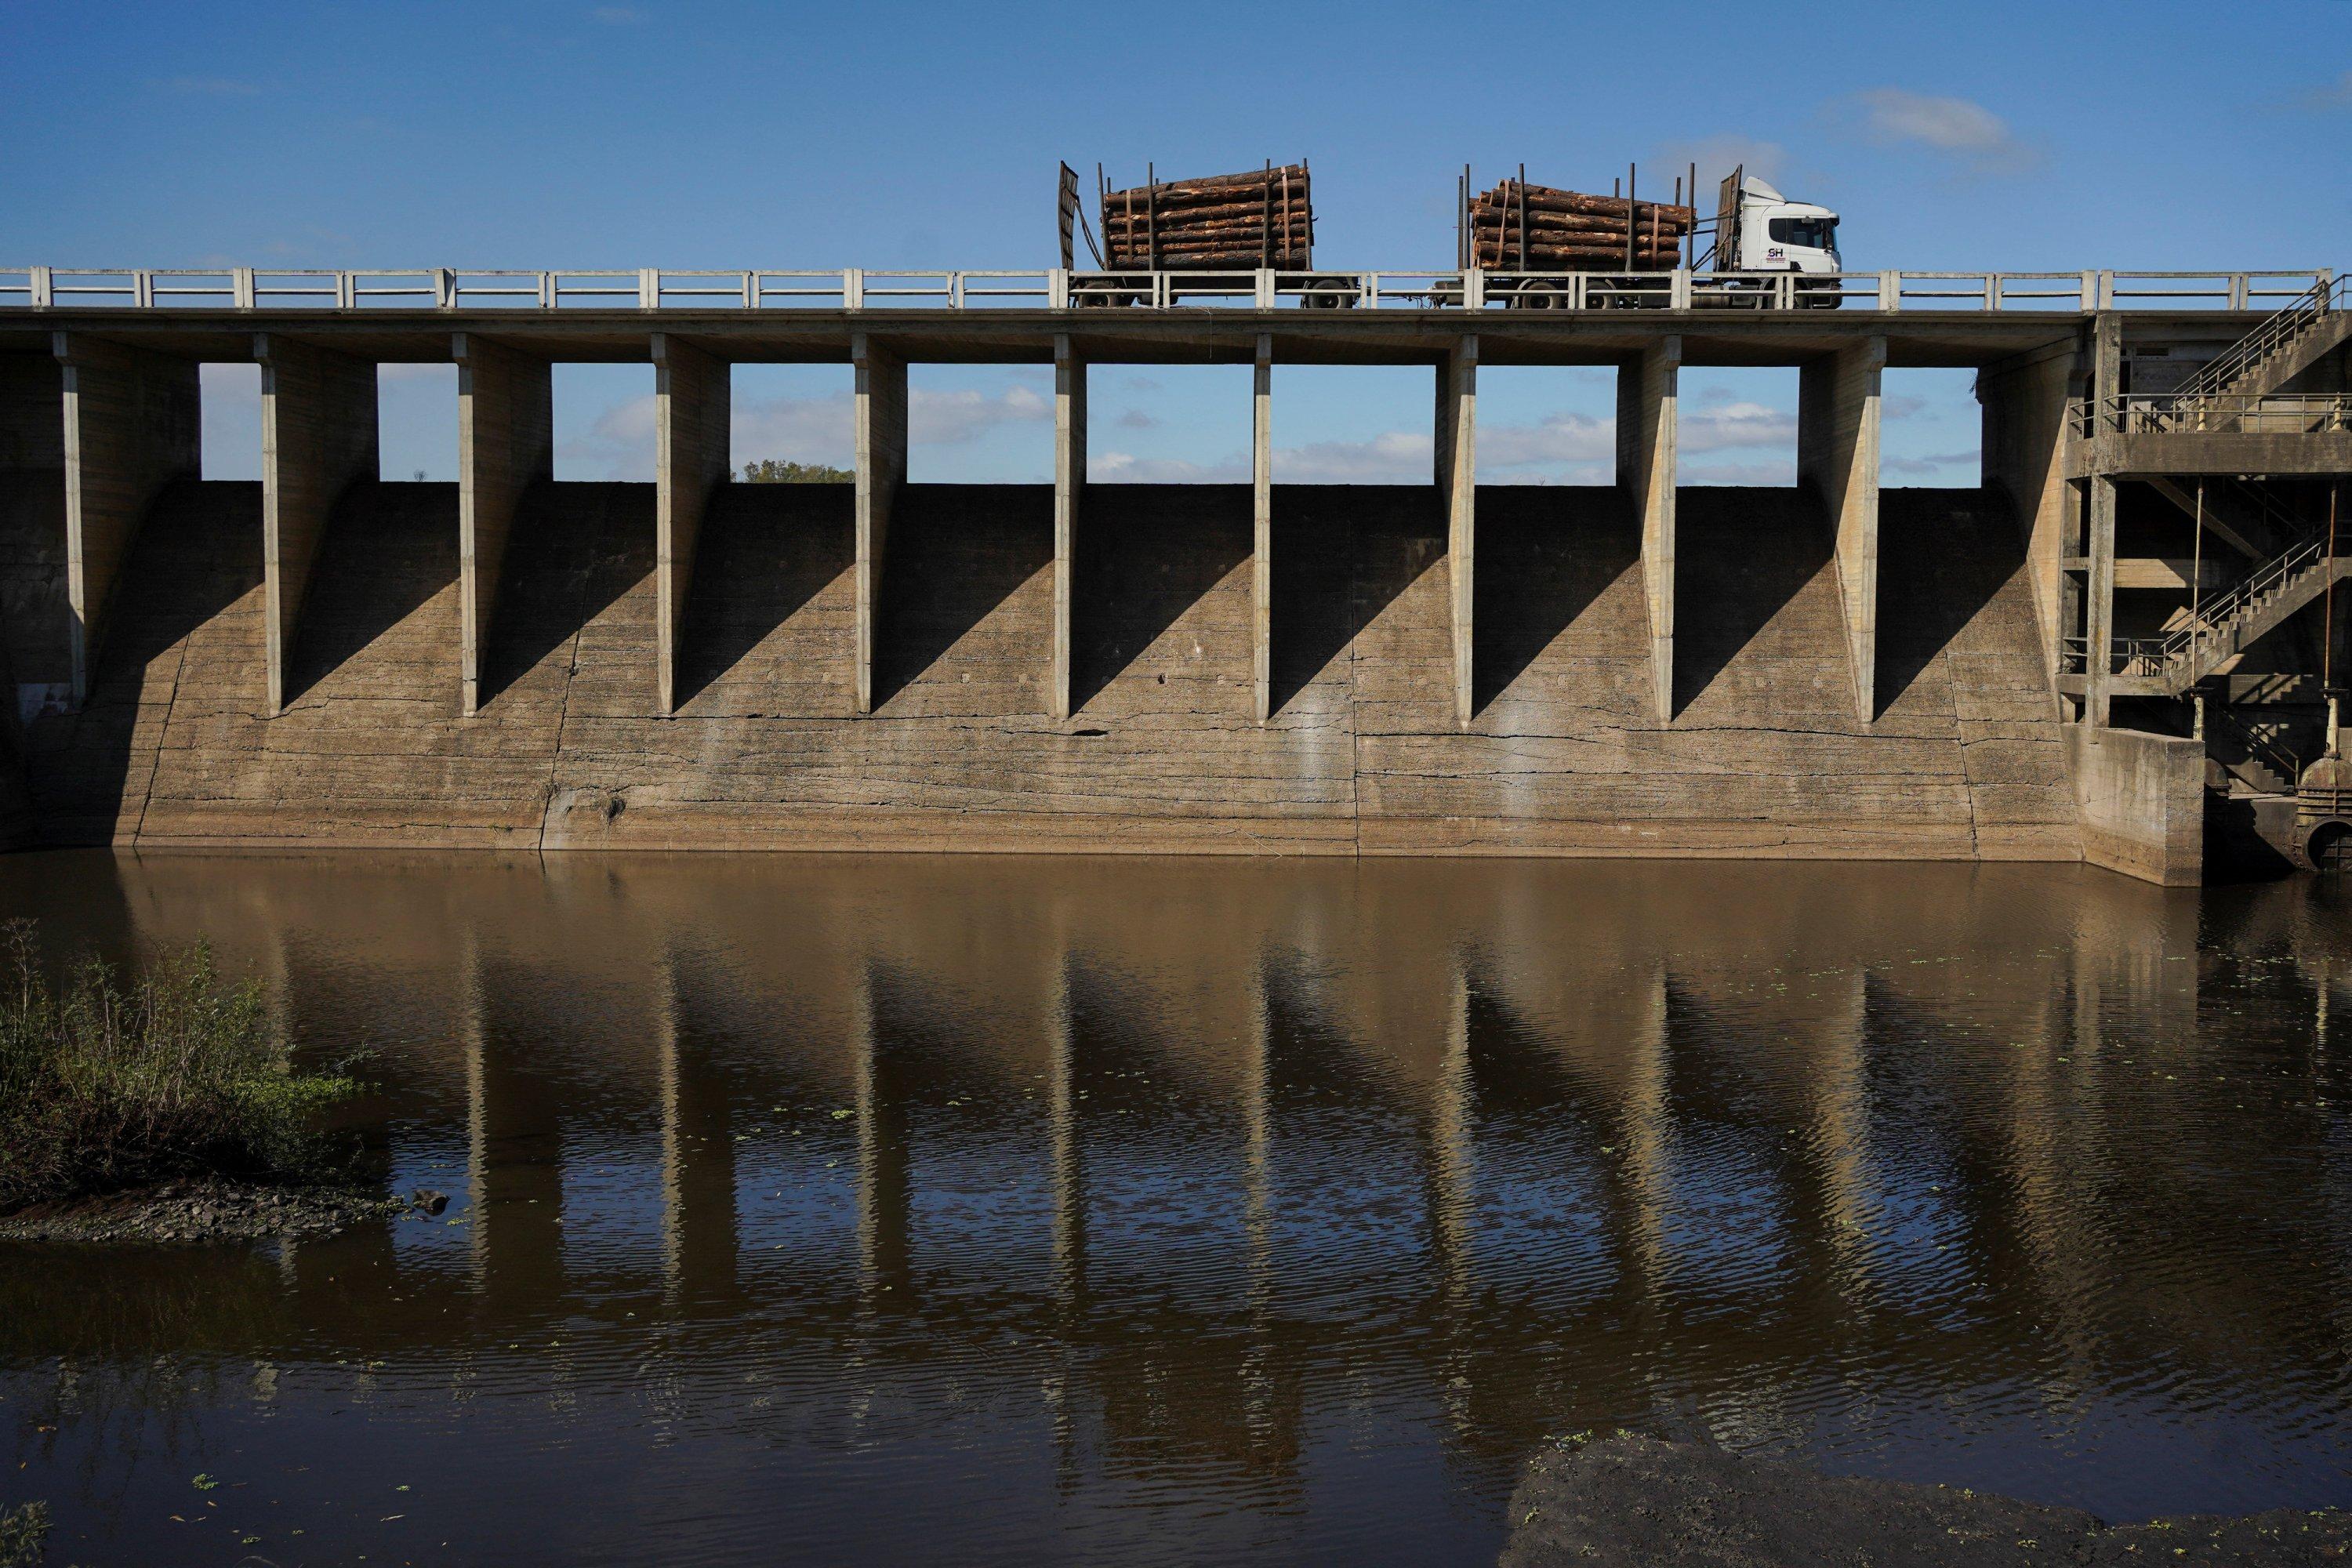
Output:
x,y
1831,670
1759,749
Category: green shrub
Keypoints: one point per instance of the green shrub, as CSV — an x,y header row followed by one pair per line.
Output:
x,y
107,1083
24,1532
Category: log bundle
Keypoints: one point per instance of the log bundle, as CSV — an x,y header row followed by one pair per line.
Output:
x,y
1519,228
1225,221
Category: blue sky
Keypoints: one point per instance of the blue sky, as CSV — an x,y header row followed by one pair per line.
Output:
x,y
2146,136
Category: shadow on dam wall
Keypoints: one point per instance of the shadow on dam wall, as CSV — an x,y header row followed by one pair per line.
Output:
x,y
1564,752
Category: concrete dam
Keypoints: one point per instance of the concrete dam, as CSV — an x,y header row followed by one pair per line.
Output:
x,y
1837,670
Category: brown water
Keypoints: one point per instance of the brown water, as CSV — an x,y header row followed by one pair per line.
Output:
x,y
969,1211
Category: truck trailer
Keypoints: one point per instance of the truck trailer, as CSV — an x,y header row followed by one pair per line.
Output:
x,y
1533,246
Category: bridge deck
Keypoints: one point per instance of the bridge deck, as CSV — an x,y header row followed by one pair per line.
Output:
x,y
1140,335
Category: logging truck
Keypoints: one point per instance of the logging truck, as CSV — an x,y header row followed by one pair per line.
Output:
x,y
1538,247
1525,246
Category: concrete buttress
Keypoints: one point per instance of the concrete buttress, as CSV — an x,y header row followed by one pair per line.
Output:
x,y
506,443
881,442
691,404
1837,457
131,427
318,438
1648,423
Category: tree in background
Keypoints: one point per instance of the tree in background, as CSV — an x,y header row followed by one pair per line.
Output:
x,y
772,471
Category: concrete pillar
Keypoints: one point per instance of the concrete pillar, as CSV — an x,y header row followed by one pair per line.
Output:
x,y
1648,421
32,413
1837,456
1457,448
692,397
506,443
2141,802
2099,532
34,613
2024,445
131,427
1262,534
318,437
881,474
2099,615
1069,484
2106,358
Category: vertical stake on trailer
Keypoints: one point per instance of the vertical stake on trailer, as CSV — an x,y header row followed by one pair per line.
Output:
x,y
1690,235
1521,191
1151,216
1631,221
1266,217
1306,187
1657,217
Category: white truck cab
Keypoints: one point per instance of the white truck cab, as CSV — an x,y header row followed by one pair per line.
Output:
x,y
1757,229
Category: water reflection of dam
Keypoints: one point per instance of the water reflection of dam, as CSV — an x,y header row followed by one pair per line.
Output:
x,y
1188,1139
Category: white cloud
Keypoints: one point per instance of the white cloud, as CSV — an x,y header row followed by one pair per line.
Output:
x,y
1968,131
1900,408
1135,419
807,429
2336,94
620,441
1738,424
1780,473
1935,463
1717,156
948,418
1569,446
1125,467
1391,457
797,429
1555,438
618,16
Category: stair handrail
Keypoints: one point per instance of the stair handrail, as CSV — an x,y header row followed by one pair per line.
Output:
x,y
2264,749
2216,616
2283,325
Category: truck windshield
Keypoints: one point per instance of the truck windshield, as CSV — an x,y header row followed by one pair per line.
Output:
x,y
1813,233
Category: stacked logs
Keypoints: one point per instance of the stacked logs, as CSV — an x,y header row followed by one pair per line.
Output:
x,y
1226,221
1520,227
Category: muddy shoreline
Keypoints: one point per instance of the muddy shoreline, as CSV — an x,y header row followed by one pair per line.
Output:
x,y
1627,1500
206,1210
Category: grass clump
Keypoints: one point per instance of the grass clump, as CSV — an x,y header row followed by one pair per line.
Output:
x,y
24,1534
107,1082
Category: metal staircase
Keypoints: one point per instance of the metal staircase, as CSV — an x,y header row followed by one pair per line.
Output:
x,y
2268,766
2289,342
2233,620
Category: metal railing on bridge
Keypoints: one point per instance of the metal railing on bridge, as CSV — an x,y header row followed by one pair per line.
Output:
x,y
2212,413
858,289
